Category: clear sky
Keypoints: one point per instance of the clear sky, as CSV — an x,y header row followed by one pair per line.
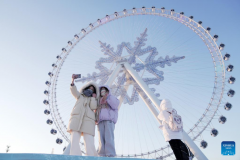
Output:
x,y
32,34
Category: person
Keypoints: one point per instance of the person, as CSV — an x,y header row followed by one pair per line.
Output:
x,y
106,118
173,137
82,120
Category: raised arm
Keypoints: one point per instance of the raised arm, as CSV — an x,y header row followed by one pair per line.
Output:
x,y
76,94
74,91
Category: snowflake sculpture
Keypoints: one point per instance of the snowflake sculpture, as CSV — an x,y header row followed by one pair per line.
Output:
x,y
150,65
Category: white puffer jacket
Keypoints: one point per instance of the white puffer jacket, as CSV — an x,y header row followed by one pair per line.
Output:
x,y
168,134
82,116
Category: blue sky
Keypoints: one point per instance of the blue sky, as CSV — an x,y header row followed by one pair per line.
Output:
x,y
32,34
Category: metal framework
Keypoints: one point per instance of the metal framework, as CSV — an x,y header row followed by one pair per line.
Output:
x,y
209,41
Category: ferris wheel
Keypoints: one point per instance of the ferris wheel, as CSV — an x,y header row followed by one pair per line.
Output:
x,y
145,55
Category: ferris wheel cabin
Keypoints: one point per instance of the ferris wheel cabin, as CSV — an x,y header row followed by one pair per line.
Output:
x,y
48,83
208,29
214,132
69,43
231,80
50,74
203,144
53,131
228,106
230,68
46,92
226,57
163,9
231,93
215,37
47,112
222,119
221,46
45,102
59,58
59,141
49,122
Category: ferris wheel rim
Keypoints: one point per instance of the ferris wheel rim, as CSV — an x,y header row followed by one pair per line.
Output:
x,y
166,14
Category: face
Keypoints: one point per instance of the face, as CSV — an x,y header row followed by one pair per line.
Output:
x,y
92,88
103,91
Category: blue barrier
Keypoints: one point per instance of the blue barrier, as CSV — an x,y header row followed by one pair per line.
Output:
x,y
35,156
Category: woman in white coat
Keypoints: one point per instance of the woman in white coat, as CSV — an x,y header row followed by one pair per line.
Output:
x,y
82,120
173,137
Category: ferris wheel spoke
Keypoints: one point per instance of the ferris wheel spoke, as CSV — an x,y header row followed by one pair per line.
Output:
x,y
174,74
198,94
189,70
170,37
188,84
183,91
172,94
66,100
181,45
200,107
187,79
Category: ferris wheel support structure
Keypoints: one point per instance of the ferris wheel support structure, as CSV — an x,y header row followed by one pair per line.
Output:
x,y
122,98
193,147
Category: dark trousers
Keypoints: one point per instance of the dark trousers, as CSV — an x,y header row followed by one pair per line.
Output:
x,y
179,149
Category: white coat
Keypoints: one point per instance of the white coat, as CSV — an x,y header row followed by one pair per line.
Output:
x,y
168,134
82,116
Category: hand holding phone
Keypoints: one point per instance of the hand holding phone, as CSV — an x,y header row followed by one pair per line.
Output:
x,y
75,76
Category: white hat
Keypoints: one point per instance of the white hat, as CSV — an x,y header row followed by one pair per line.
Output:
x,y
166,105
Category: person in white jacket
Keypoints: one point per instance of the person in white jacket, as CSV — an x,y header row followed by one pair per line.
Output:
x,y
82,119
173,137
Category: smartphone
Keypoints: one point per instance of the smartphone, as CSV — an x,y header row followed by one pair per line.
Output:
x,y
77,76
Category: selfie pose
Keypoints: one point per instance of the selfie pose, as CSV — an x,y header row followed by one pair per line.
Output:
x,y
172,128
106,118
82,120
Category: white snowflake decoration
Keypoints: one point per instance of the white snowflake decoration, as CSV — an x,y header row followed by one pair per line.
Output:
x,y
149,64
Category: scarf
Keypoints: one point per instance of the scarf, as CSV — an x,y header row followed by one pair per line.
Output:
x,y
102,104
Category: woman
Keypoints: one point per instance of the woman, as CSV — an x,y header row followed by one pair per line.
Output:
x,y
173,137
82,120
106,118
